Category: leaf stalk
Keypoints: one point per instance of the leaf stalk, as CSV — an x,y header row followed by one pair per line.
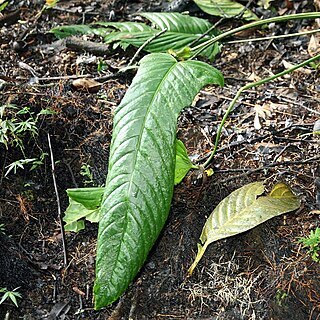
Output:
x,y
201,47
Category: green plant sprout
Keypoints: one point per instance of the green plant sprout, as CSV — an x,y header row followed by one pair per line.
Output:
x,y
16,124
2,228
313,243
14,127
10,295
86,172
101,66
281,297
3,5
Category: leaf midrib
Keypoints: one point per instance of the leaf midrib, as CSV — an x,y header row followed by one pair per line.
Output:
x,y
127,200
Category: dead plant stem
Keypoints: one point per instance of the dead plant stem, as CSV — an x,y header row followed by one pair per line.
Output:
x,y
268,166
65,258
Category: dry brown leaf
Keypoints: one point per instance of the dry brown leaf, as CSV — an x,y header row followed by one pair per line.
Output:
x,y
263,111
316,127
314,45
254,77
268,145
88,85
289,65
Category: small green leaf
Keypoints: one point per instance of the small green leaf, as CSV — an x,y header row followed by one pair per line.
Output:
x,y
12,297
90,198
67,31
225,8
183,163
313,242
4,297
84,203
3,5
242,211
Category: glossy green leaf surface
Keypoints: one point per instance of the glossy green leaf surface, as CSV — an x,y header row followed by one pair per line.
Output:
x,y
183,163
140,179
242,210
126,26
177,22
85,203
182,30
225,8
90,198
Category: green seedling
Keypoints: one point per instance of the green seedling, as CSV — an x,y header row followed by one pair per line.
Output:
x,y
281,297
312,242
10,295
86,172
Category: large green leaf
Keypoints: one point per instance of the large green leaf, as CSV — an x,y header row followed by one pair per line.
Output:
x,y
128,27
140,179
85,203
177,22
182,30
225,8
242,211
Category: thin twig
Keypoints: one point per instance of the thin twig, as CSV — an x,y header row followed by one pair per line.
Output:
x,y
205,33
74,76
157,35
65,259
268,166
257,139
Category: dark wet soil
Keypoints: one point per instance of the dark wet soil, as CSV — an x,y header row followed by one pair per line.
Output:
x,y
261,274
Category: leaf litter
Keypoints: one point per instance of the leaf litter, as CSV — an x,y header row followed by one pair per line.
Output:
x,y
82,129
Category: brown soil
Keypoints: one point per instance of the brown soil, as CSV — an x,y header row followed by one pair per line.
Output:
x,y
261,274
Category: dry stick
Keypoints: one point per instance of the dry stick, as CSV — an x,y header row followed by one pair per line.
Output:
x,y
157,35
254,140
65,259
268,166
244,88
74,76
